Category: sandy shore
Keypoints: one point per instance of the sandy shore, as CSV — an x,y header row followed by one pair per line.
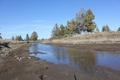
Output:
x,y
18,65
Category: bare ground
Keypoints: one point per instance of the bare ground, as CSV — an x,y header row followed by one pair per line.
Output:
x,y
97,47
19,66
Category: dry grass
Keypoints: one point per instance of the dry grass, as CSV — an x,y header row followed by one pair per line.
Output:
x,y
102,37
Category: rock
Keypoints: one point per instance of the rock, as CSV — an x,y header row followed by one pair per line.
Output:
x,y
4,52
41,77
46,67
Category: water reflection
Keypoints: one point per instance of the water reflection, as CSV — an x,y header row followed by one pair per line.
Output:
x,y
108,59
85,60
34,48
53,54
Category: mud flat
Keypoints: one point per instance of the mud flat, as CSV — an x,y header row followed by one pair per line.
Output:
x,y
18,65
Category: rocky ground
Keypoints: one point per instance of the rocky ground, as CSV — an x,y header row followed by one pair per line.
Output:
x,y
18,65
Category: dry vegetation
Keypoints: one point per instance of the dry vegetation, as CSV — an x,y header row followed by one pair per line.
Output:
x,y
102,37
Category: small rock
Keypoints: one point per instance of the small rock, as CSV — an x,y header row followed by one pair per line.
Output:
x,y
41,77
46,67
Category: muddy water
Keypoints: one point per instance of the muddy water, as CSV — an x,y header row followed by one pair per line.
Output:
x,y
76,58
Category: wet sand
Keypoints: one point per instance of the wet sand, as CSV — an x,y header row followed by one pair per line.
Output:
x,y
18,65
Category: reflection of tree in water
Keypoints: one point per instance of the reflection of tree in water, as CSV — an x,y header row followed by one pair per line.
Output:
x,y
85,59
34,48
60,53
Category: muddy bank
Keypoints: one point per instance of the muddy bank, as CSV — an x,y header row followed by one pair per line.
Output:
x,y
96,47
92,38
11,47
18,65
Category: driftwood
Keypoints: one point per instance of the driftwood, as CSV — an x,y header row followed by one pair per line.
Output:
x,y
75,77
4,45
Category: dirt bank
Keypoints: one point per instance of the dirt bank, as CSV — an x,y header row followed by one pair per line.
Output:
x,y
19,66
95,47
92,38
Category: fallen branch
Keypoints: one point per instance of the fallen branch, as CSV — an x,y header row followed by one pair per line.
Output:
x,y
4,45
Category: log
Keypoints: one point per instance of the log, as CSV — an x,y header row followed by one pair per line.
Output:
x,y
75,77
4,45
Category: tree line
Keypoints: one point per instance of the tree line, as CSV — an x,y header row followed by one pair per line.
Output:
x,y
33,37
83,22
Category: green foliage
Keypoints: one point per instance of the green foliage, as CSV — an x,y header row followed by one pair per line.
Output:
x,y
55,32
59,31
80,17
89,21
27,37
71,25
105,28
82,22
89,15
34,36
0,36
19,38
62,30
118,29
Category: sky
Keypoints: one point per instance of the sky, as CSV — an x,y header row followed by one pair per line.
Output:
x,y
21,17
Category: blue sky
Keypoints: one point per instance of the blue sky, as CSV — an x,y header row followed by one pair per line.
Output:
x,y
19,17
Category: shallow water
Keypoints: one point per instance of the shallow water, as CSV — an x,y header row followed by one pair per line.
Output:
x,y
77,58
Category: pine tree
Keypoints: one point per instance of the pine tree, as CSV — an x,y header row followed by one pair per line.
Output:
x,y
27,37
71,25
55,31
118,29
105,28
0,36
62,30
34,36
89,23
80,20
19,38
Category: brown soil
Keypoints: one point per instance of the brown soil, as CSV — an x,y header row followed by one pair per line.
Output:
x,y
14,68
96,47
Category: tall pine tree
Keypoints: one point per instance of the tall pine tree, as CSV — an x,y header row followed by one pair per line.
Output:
x,y
34,36
89,23
27,37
